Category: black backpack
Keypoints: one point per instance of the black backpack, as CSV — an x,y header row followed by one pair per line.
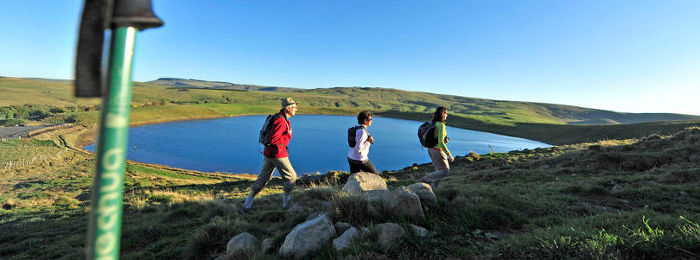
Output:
x,y
264,137
426,135
352,131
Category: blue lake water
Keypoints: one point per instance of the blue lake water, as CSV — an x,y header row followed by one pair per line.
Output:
x,y
319,143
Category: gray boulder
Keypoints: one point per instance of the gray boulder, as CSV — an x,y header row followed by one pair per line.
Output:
x,y
380,202
418,231
425,193
308,237
360,182
388,233
341,227
345,240
243,242
267,245
407,204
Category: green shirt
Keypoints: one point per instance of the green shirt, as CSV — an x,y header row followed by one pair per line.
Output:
x,y
440,134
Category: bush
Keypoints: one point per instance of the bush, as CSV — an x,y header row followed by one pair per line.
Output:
x,y
11,122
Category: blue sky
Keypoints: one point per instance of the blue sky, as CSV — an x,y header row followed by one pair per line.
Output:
x,y
628,56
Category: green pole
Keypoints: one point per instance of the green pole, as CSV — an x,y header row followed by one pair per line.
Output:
x,y
112,142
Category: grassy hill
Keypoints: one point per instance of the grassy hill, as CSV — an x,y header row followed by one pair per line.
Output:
x,y
554,124
629,199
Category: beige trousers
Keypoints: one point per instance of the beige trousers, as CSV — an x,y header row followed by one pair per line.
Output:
x,y
283,166
442,166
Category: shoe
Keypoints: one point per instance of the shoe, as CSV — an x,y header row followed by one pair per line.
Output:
x,y
286,201
244,210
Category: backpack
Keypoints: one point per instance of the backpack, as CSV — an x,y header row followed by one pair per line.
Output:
x,y
352,131
264,137
426,135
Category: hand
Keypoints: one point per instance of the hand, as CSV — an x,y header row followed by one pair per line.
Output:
x,y
452,159
371,140
289,130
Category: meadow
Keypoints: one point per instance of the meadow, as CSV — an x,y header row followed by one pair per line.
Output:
x,y
615,191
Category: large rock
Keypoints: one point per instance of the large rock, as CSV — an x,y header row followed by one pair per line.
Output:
x,y
407,204
380,202
388,234
243,242
308,237
361,182
345,240
425,193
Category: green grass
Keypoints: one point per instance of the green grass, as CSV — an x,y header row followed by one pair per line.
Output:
x,y
157,103
615,199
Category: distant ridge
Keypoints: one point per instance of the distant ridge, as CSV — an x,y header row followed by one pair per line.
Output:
x,y
220,85
572,115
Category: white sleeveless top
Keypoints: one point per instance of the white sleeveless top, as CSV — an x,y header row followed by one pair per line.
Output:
x,y
361,150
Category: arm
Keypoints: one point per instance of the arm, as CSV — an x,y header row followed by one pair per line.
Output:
x,y
441,132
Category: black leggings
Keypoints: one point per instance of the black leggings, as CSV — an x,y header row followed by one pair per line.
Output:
x,y
358,166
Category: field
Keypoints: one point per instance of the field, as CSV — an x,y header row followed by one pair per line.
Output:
x,y
550,123
634,198
615,191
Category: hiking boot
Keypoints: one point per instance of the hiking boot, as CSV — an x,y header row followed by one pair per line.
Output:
x,y
244,210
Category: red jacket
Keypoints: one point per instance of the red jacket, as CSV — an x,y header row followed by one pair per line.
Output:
x,y
279,137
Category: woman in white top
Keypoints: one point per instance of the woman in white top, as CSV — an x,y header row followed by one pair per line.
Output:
x,y
358,154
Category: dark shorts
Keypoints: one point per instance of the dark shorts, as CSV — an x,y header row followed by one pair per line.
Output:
x,y
359,166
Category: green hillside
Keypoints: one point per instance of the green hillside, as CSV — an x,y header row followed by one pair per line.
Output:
x,y
554,124
617,199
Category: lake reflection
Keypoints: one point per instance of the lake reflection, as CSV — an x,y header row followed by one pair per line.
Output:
x,y
319,143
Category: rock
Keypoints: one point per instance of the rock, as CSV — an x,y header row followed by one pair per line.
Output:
x,y
345,240
418,231
341,227
617,188
360,182
243,242
308,237
364,232
388,233
407,204
267,245
379,202
425,193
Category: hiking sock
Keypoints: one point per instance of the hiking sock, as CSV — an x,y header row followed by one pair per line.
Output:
x,y
249,201
286,199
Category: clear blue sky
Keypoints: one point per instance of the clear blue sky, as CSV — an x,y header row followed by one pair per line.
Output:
x,y
628,56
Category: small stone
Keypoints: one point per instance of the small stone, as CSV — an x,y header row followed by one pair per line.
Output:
x,y
268,245
617,188
388,233
308,237
418,231
341,227
243,242
345,240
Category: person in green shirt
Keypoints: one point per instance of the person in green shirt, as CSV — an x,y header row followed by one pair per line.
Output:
x,y
439,154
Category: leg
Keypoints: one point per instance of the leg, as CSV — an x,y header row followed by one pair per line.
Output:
x,y
354,166
442,168
257,186
286,171
369,167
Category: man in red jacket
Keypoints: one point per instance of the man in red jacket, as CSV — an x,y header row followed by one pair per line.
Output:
x,y
277,156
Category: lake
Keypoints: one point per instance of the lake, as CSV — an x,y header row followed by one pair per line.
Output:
x,y
319,143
